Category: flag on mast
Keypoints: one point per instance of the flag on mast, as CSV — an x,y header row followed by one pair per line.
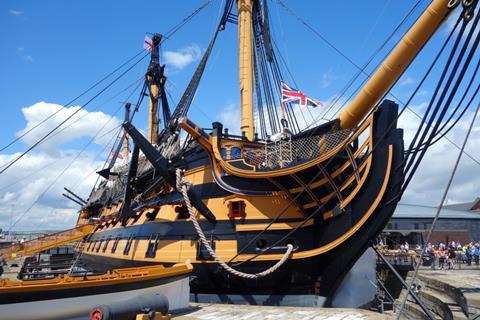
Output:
x,y
291,95
148,43
119,156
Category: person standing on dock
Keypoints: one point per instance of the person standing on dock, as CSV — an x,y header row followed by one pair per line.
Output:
x,y
431,255
451,255
476,254
468,254
2,263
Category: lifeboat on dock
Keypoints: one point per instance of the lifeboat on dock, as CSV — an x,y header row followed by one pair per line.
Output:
x,y
73,297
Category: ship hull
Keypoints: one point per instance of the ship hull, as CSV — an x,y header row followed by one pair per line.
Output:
x,y
324,251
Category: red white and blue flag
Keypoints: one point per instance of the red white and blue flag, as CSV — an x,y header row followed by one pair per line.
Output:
x,y
148,43
291,95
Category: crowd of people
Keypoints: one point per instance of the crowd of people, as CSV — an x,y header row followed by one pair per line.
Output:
x,y
442,255
447,255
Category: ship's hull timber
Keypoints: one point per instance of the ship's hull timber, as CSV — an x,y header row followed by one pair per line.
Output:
x,y
326,244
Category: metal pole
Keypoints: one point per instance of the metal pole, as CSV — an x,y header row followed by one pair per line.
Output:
x,y
385,288
404,284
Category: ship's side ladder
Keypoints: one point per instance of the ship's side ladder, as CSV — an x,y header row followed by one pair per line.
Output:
x,y
46,242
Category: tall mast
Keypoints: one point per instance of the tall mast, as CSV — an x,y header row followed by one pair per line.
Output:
x,y
125,140
245,64
153,83
396,63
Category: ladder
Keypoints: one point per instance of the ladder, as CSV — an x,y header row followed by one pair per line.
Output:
x,y
45,242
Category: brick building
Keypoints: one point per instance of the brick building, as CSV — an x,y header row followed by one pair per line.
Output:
x,y
411,223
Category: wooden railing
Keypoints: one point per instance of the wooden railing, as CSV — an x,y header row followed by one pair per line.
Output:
x,y
45,242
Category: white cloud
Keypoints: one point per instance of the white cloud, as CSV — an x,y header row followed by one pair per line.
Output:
x,y
15,12
182,57
431,178
28,57
327,79
20,49
82,124
27,180
41,170
230,117
406,81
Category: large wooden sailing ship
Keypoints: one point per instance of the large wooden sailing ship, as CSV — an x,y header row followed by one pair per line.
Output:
x,y
313,199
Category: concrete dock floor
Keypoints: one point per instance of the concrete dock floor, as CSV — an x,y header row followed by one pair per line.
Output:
x,y
201,311
465,280
449,294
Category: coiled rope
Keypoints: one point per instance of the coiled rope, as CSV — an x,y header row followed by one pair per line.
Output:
x,y
182,187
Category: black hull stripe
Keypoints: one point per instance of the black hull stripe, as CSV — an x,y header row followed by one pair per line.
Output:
x,y
175,230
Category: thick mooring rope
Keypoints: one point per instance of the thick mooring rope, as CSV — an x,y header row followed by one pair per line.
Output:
x,y
182,187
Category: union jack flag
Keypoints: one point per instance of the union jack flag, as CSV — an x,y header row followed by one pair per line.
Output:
x,y
148,43
290,95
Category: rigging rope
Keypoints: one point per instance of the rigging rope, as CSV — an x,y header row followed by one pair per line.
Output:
x,y
442,202
56,161
60,174
466,107
168,35
362,70
411,161
136,82
391,126
298,195
73,100
182,187
185,20
4,168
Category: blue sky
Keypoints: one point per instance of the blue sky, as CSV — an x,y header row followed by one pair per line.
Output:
x,y
53,50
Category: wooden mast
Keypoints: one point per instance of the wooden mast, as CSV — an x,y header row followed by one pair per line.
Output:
x,y
395,64
245,56
153,82
125,140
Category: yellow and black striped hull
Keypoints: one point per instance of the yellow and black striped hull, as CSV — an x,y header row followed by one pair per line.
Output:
x,y
327,242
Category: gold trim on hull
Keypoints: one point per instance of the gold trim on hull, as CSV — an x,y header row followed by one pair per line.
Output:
x,y
180,250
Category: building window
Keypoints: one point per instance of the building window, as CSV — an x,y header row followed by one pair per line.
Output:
x,y
395,226
415,226
389,226
236,209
